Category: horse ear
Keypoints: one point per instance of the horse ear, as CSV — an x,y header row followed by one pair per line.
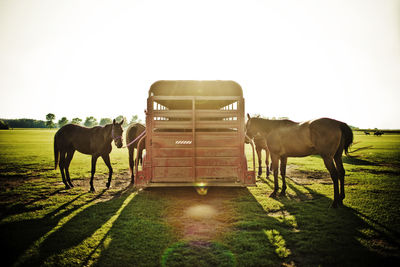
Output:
x,y
121,122
114,122
248,116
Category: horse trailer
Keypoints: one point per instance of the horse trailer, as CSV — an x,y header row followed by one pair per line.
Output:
x,y
195,136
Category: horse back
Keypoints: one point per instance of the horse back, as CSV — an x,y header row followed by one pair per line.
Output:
x,y
85,140
134,130
291,141
326,135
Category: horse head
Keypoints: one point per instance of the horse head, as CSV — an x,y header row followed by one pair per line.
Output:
x,y
251,129
116,133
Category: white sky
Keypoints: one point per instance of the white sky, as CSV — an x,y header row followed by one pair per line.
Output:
x,y
299,59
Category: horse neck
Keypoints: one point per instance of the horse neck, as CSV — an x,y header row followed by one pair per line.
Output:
x,y
108,133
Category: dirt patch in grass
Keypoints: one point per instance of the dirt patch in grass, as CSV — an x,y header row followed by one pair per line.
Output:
x,y
302,177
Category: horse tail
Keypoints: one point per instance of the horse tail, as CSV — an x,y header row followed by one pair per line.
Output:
x,y
56,152
347,135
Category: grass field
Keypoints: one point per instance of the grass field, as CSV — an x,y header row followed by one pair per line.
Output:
x,y
43,224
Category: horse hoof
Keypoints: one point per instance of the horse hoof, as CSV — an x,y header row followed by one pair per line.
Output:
x,y
92,190
108,185
282,194
273,195
71,185
67,187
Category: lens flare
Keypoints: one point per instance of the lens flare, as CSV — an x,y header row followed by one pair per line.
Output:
x,y
201,189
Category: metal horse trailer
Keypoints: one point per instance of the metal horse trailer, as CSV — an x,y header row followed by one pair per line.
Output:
x,y
195,133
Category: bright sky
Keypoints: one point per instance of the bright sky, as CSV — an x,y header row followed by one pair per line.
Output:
x,y
299,59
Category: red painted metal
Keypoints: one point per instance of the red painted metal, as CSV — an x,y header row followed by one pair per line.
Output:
x,y
195,135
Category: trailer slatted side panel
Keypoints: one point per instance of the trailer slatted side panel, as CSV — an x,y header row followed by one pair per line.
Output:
x,y
196,138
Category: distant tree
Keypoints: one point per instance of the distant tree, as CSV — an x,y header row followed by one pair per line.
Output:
x,y
120,118
3,125
25,123
104,121
90,121
77,121
62,122
135,119
49,120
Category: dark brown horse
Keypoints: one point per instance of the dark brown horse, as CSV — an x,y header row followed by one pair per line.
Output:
x,y
325,137
133,132
261,144
94,141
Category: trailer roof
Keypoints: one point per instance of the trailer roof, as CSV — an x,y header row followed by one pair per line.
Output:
x,y
196,88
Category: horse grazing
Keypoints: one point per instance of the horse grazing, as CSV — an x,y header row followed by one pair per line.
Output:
x,y
261,144
94,141
132,139
325,137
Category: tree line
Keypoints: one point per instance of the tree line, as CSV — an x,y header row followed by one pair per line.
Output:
x,y
51,122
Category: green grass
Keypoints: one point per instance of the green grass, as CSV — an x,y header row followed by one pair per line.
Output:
x,y
43,224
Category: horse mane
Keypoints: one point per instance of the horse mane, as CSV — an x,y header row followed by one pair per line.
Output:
x,y
106,129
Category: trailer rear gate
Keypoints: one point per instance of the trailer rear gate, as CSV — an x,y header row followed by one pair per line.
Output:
x,y
195,135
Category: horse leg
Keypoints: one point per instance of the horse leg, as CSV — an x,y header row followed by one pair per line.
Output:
x,y
267,161
283,174
70,154
131,151
341,174
275,164
258,150
334,175
61,164
106,159
94,160
140,157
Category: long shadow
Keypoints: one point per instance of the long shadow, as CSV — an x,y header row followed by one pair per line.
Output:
x,y
314,234
335,236
353,160
140,234
18,236
303,231
23,207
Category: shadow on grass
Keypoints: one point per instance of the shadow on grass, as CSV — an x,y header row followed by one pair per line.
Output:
x,y
21,235
127,226
130,229
22,207
353,160
140,235
307,233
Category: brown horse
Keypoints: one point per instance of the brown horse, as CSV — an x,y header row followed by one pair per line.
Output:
x,y
261,144
94,141
133,132
325,137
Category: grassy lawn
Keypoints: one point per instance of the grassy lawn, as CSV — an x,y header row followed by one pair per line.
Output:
x,y
43,224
